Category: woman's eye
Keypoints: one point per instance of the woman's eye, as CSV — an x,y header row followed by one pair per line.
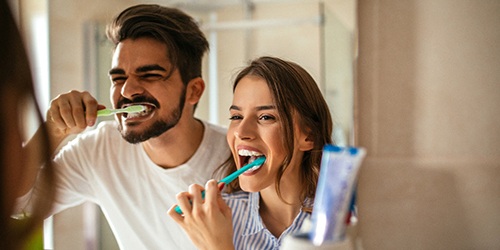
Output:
x,y
235,117
266,117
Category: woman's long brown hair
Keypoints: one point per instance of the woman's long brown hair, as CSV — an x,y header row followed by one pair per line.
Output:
x,y
16,81
294,91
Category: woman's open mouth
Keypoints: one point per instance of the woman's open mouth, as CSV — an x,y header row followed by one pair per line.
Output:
x,y
248,156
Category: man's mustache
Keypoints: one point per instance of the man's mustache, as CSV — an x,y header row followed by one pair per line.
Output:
x,y
138,99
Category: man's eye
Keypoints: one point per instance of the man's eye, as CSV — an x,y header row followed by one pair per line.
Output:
x,y
118,79
152,77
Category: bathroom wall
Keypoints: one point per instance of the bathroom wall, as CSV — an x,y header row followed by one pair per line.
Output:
x,y
427,100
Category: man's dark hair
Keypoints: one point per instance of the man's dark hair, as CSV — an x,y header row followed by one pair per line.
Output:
x,y
185,42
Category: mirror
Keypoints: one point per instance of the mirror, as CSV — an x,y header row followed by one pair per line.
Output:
x,y
319,35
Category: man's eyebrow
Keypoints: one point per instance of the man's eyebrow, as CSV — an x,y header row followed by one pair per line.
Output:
x,y
116,71
142,69
151,67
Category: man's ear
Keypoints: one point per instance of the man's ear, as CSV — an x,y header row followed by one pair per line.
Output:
x,y
194,90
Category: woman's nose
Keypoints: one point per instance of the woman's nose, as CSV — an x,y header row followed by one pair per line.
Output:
x,y
246,130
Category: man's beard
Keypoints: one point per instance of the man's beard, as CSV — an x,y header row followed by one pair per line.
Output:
x,y
159,127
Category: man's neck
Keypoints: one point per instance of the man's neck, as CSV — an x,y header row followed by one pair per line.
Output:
x,y
177,145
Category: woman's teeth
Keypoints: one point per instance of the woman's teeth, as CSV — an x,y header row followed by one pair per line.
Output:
x,y
250,156
253,168
245,152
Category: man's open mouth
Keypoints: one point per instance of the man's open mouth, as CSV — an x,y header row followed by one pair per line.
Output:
x,y
148,109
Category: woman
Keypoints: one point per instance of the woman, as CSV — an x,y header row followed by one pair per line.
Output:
x,y
278,112
18,98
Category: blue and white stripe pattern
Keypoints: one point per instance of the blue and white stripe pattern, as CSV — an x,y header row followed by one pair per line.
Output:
x,y
250,232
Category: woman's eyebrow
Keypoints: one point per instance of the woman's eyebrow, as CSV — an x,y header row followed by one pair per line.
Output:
x,y
258,108
265,107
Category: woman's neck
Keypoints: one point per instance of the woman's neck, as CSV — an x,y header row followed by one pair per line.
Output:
x,y
279,213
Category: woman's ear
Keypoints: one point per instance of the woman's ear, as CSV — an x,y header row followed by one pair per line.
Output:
x,y
306,141
194,90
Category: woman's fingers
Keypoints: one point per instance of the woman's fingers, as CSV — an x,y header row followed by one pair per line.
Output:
x,y
195,191
211,192
199,201
184,202
207,220
176,216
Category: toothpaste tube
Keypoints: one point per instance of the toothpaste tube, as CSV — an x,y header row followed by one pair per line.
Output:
x,y
337,177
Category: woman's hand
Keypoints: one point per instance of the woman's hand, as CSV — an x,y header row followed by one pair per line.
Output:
x,y
208,222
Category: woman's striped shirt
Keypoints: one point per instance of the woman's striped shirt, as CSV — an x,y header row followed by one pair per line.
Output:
x,y
249,230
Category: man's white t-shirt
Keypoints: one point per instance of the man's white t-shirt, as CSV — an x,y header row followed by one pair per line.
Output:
x,y
133,192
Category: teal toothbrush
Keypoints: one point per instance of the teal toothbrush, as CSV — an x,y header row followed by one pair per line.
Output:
x,y
129,109
228,179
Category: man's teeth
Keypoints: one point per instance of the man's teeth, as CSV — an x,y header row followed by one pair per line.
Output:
x,y
133,115
138,114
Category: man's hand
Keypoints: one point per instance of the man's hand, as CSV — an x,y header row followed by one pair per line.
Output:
x,y
71,113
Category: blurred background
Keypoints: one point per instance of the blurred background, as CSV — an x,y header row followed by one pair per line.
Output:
x,y
415,82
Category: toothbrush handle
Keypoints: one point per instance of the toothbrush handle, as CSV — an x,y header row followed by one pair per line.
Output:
x,y
104,112
228,179
179,210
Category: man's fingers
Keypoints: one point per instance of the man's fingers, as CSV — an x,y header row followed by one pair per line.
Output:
x,y
91,107
72,112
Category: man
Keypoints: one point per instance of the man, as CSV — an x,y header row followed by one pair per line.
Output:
x,y
157,64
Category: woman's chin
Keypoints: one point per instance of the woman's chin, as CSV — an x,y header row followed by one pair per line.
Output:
x,y
247,187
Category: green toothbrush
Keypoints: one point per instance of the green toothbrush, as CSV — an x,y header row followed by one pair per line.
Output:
x,y
129,109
